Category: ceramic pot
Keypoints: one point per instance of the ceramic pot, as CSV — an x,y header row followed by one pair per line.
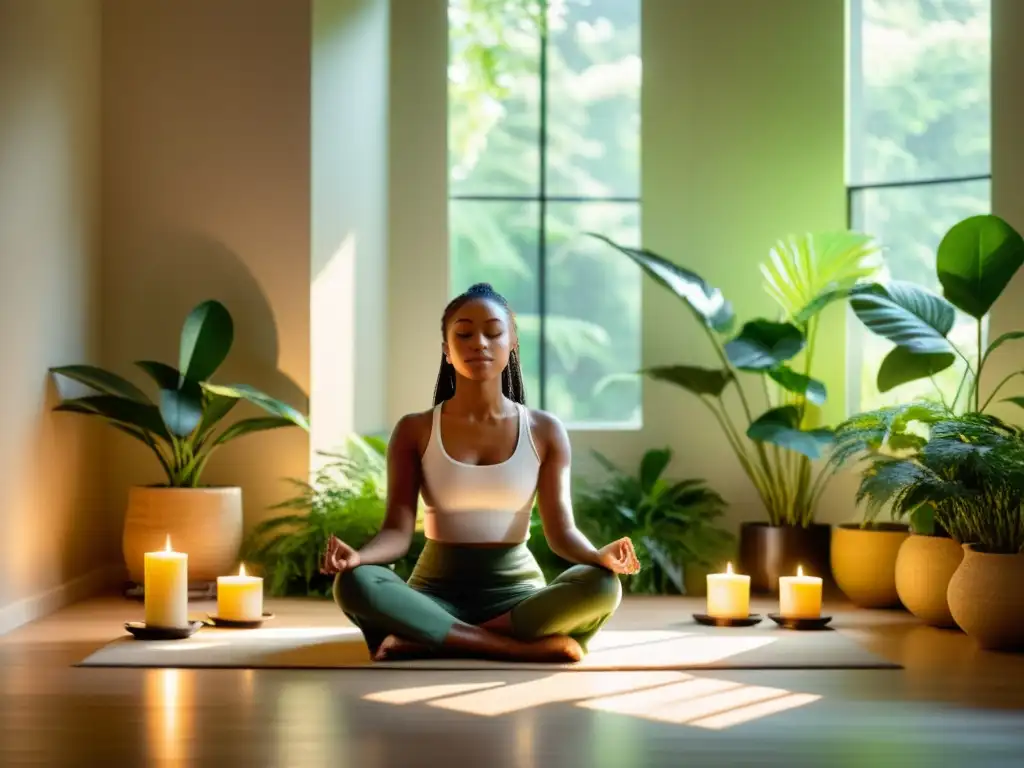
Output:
x,y
864,562
206,523
769,551
986,599
924,566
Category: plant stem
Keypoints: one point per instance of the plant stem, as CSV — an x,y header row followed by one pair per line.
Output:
x,y
1000,386
977,378
759,480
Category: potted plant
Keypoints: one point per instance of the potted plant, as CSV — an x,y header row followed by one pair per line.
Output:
x,y
347,497
673,523
950,458
180,427
777,446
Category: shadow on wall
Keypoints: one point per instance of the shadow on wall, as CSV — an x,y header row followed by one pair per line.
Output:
x,y
147,301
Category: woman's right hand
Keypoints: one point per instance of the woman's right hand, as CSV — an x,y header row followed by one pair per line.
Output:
x,y
339,557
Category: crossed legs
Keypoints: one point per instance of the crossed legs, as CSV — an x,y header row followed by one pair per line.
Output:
x,y
554,623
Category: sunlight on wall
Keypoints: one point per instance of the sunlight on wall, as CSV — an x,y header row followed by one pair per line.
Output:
x,y
332,351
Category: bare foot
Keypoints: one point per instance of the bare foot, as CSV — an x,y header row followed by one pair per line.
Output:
x,y
555,648
394,648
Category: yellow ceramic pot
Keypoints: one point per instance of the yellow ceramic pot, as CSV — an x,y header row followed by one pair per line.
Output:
x,y
923,569
987,601
864,562
205,523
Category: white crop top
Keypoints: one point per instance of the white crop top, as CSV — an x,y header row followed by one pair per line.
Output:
x,y
480,504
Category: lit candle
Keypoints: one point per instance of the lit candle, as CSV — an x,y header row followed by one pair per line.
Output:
x,y
800,596
166,588
240,598
728,594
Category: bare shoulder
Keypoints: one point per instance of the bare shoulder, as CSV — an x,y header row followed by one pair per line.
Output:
x,y
549,435
413,431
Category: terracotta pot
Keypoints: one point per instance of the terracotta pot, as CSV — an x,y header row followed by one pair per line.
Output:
x,y
924,566
768,551
986,599
864,562
206,523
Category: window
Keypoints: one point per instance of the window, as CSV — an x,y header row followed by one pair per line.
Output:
x,y
544,132
919,153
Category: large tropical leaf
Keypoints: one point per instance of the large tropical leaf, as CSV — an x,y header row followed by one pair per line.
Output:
x,y
763,344
707,303
805,273
165,376
216,407
976,260
131,413
261,399
905,314
205,340
247,426
780,426
699,381
902,365
799,383
182,409
102,381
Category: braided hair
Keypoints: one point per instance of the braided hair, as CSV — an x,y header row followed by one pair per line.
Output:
x,y
511,377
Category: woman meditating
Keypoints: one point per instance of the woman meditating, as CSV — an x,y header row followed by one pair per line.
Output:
x,y
479,458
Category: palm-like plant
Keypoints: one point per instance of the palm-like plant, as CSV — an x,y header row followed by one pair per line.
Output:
x,y
804,275
180,425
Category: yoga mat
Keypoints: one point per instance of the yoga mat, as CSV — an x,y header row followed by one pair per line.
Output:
x,y
681,647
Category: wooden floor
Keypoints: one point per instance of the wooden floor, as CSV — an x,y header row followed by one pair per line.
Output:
x,y
951,705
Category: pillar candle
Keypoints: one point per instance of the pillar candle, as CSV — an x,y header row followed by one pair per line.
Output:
x,y
166,588
728,594
240,598
800,596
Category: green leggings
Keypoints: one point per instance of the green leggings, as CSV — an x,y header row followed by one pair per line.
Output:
x,y
470,585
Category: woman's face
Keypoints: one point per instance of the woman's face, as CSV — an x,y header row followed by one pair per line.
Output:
x,y
480,339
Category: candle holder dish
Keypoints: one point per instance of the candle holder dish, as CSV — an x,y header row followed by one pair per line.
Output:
x,y
725,621
236,624
142,631
789,622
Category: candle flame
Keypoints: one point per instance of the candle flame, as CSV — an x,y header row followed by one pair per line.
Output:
x,y
800,571
728,567
241,570
167,546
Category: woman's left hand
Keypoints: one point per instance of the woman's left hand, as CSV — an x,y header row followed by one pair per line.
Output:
x,y
619,557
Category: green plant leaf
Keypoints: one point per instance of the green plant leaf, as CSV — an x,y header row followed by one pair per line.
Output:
x,y
165,376
102,381
1008,336
246,426
780,426
651,466
699,381
182,409
902,365
132,413
261,399
206,339
763,344
807,272
905,314
707,303
215,408
922,520
798,383
976,260
1017,400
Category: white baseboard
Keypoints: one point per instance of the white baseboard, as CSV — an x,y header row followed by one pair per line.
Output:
x,y
36,607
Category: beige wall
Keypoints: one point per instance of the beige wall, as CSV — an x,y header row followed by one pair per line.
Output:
x,y
349,167
206,191
53,532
